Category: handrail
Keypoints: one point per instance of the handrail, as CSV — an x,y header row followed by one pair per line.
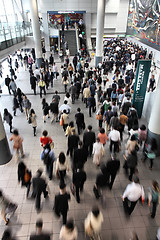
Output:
x,y
77,37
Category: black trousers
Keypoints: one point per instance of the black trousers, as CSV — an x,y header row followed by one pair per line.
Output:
x,y
49,169
79,188
38,197
73,96
42,89
116,146
154,208
111,180
89,149
79,126
129,206
62,174
64,216
91,108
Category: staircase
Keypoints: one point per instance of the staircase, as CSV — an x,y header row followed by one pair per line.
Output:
x,y
70,38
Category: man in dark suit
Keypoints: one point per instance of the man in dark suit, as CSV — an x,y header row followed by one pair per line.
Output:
x,y
80,156
61,202
72,143
78,179
33,82
89,138
112,167
39,234
7,82
79,120
39,186
91,104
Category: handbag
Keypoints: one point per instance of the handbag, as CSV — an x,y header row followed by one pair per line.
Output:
x,y
61,121
29,120
151,155
96,192
72,188
98,116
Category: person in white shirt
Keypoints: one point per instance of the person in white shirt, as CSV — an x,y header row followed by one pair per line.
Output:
x,y
37,73
133,192
66,107
55,70
68,231
114,137
98,152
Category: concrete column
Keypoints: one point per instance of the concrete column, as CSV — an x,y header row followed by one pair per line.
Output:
x,y
46,34
5,154
100,30
36,31
154,126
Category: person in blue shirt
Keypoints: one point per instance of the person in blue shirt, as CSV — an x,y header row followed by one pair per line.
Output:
x,y
48,157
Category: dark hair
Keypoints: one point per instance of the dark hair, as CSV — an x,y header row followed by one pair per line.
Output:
x,y
67,95
136,179
71,124
6,235
155,185
95,211
62,185
64,111
89,127
43,101
70,225
45,133
56,92
32,111
109,108
1,194
15,132
102,130
143,127
39,223
133,137
78,109
21,166
98,139
65,102
5,111
39,172
62,157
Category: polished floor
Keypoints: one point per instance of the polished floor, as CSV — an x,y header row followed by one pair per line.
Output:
x,y
115,226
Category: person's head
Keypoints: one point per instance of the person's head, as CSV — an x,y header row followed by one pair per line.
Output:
x,y
45,133
32,111
89,127
155,185
43,101
65,102
39,172
62,186
71,124
102,130
62,158
109,108
73,131
6,235
5,111
133,138
70,225
21,166
143,127
15,132
98,139
56,92
80,144
95,211
64,111
135,179
67,95
39,225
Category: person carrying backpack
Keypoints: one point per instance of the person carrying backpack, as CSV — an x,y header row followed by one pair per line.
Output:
x,y
48,158
24,176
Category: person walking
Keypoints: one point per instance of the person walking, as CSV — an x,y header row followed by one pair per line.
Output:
x,y
114,137
133,192
27,105
15,105
112,167
89,138
54,110
91,104
72,143
17,144
79,156
65,118
24,176
48,157
45,139
39,235
39,185
8,118
33,82
7,82
42,85
153,198
98,152
102,136
78,179
46,108
33,121
68,231
13,86
93,223
79,120
6,206
61,166
61,202
150,152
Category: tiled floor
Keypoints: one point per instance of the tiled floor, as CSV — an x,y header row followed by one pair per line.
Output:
x,y
116,226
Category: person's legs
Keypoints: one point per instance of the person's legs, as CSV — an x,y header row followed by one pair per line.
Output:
x,y
112,180
132,170
90,149
131,208
154,207
77,194
34,131
10,125
21,151
40,92
50,170
64,215
38,201
151,163
28,188
17,155
125,205
90,111
111,143
79,129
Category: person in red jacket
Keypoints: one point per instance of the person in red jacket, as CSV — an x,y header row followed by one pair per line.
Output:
x,y
45,138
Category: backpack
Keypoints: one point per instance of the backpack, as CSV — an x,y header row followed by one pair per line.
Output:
x,y
27,175
46,158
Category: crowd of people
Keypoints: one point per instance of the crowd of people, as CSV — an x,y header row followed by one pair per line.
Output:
x,y
111,105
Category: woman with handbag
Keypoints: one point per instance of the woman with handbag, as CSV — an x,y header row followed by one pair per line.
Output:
x,y
99,117
62,166
93,223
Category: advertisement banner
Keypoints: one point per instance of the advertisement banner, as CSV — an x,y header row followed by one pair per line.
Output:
x,y
140,85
